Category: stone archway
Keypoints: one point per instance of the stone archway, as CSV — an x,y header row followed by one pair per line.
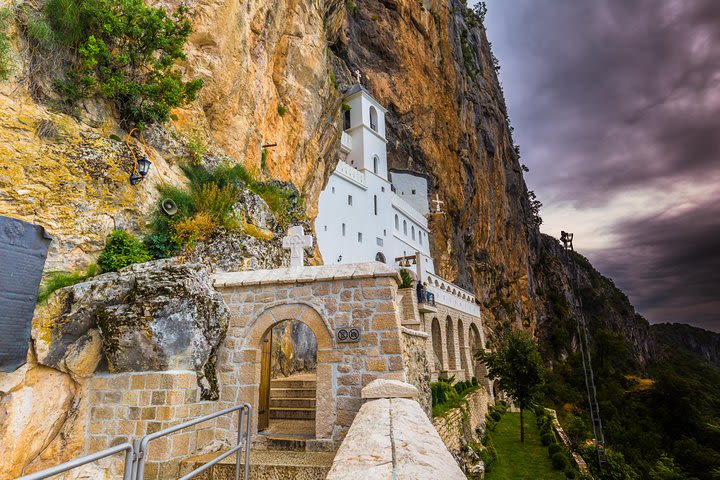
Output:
x,y
463,350
436,335
249,363
479,369
450,344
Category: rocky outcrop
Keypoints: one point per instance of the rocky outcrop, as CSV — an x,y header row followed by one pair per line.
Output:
x,y
697,341
35,405
566,279
155,316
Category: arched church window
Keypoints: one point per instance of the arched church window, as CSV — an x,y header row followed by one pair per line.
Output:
x,y
405,227
379,257
373,118
412,231
346,120
420,236
397,222
375,164
375,203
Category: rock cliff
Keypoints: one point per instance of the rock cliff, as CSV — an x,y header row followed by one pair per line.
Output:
x,y
431,65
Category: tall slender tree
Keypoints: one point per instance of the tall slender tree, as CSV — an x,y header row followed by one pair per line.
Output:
x,y
518,369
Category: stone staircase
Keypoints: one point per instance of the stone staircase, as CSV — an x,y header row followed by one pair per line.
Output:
x,y
292,399
266,465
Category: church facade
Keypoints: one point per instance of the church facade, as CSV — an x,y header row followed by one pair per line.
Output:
x,y
370,213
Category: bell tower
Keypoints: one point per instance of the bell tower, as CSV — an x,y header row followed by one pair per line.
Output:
x,y
364,121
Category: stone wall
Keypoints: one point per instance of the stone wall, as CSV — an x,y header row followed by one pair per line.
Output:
x,y
417,369
131,405
458,425
363,296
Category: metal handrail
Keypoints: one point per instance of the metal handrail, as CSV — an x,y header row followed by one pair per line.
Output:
x,y
78,462
141,445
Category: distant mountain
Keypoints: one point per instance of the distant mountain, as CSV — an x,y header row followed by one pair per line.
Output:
x,y
702,343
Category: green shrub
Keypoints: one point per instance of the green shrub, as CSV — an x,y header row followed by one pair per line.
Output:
x,y
474,382
6,65
122,249
547,438
161,245
495,415
406,278
488,455
126,51
577,430
216,201
197,147
554,448
58,280
281,110
559,461
570,473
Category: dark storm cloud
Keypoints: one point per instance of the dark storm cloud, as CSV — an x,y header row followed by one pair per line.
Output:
x,y
620,99
669,264
613,93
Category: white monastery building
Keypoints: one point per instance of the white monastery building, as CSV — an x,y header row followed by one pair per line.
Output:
x,y
368,213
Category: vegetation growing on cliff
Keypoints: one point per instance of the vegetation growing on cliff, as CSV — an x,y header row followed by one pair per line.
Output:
x,y
123,51
5,60
658,416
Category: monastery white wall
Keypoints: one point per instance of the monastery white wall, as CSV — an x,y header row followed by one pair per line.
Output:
x,y
412,188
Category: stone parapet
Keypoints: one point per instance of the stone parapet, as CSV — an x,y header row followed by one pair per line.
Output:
x,y
279,276
393,438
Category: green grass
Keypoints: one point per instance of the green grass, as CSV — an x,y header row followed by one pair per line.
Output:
x,y
516,460
58,280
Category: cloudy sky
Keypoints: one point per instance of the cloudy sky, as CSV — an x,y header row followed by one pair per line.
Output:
x,y
616,108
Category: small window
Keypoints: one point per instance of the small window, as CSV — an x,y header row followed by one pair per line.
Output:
x,y
379,257
349,199
412,230
420,237
373,119
326,228
382,189
405,227
375,203
343,229
375,164
397,222
333,189
360,237
384,233
379,241
346,120
413,192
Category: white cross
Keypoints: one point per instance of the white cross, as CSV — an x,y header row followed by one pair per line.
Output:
x,y
438,203
357,76
297,242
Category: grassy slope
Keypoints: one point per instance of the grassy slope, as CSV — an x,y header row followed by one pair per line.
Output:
x,y
519,461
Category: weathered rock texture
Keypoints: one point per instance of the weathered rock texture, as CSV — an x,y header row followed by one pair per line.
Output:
x,y
565,280
294,349
153,316
697,341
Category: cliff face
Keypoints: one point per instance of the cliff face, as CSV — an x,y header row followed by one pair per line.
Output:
x,y
430,64
697,341
68,174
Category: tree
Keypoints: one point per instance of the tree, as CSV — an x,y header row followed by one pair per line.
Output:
x,y
517,366
126,53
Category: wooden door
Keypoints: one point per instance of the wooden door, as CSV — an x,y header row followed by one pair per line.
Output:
x,y
265,359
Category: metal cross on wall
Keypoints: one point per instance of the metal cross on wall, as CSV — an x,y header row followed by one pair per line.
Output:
x,y
297,242
438,205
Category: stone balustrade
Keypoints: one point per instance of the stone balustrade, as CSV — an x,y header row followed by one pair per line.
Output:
x,y
391,437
